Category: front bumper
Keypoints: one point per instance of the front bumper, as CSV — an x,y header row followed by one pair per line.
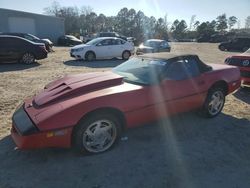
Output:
x,y
245,75
42,55
27,136
75,55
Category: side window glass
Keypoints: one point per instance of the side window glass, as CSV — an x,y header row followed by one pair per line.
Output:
x,y
4,42
182,69
28,37
123,41
164,44
19,42
105,42
177,71
192,67
119,42
13,42
114,42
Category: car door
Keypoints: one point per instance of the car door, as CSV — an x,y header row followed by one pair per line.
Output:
x,y
9,49
3,49
119,47
104,49
182,89
163,46
237,44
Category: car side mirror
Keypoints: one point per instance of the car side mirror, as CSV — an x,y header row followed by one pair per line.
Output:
x,y
99,44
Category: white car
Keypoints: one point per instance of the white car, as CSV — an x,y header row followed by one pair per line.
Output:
x,y
103,48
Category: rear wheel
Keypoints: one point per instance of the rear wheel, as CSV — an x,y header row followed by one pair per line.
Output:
x,y
126,54
90,56
214,102
222,48
97,133
28,58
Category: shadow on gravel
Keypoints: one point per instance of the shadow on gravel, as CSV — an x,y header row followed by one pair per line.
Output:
x,y
182,151
95,64
243,94
15,66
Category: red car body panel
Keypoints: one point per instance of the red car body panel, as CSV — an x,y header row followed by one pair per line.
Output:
x,y
60,138
238,60
62,104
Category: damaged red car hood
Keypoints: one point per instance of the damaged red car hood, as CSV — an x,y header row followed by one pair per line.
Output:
x,y
77,85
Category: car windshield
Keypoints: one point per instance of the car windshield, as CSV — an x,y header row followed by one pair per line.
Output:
x,y
141,71
151,43
94,41
34,37
72,37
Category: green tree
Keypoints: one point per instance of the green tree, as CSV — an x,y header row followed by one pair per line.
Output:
x,y
232,20
206,29
100,22
192,22
221,24
179,28
247,23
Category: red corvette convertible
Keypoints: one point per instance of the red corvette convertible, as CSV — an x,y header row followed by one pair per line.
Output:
x,y
243,62
89,111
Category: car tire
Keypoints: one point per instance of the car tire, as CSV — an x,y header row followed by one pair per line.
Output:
x,y
222,48
90,56
97,133
28,58
214,103
126,54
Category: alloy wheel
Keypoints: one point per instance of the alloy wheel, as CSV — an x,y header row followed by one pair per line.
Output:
x,y
28,58
216,103
99,136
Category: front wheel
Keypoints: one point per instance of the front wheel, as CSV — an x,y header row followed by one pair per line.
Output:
x,y
28,58
90,56
97,133
214,103
126,54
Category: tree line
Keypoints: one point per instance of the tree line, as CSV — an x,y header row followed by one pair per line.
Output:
x,y
82,21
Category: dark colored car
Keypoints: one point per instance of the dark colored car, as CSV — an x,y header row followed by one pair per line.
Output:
x,y
204,38
90,111
238,44
153,45
68,40
20,49
47,42
243,62
218,38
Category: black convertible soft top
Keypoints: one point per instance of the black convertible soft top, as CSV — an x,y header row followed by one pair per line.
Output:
x,y
177,56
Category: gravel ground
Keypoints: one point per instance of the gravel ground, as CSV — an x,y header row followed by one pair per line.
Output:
x,y
182,151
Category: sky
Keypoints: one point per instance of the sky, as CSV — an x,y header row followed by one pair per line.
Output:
x,y
205,10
